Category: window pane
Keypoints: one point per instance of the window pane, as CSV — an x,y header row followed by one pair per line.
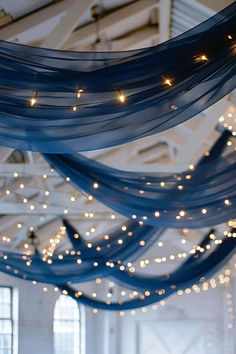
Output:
x,y
5,310
6,324
66,326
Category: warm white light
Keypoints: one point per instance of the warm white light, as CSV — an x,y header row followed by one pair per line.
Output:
x,y
182,213
33,101
157,214
95,185
191,166
168,82
121,97
79,93
204,211
203,57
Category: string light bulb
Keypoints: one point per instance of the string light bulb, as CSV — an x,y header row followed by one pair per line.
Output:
x,y
168,82
203,57
79,93
121,97
33,100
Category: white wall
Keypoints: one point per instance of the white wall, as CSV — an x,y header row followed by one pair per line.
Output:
x,y
187,324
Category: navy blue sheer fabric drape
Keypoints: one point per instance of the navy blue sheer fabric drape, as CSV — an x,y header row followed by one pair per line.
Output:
x,y
164,86
204,196
106,256
159,287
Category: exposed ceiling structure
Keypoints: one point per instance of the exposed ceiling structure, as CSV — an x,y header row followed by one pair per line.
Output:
x,y
32,194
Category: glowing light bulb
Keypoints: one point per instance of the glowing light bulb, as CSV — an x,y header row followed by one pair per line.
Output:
x,y
33,101
74,108
182,213
168,82
227,202
203,57
79,93
229,36
121,97
157,214
95,185
204,211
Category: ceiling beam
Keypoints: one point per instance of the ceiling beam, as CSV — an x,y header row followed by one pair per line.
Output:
x,y
20,208
194,144
67,24
164,20
143,37
87,34
11,31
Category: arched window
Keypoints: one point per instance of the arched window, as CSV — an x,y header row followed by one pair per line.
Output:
x,y
67,327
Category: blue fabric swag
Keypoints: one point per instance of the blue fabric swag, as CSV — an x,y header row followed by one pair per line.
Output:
x,y
164,86
196,198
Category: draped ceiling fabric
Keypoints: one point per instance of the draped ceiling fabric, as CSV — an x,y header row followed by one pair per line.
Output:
x,y
196,198
164,86
105,257
186,275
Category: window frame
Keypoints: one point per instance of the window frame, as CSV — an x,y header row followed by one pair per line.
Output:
x,y
11,316
81,322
